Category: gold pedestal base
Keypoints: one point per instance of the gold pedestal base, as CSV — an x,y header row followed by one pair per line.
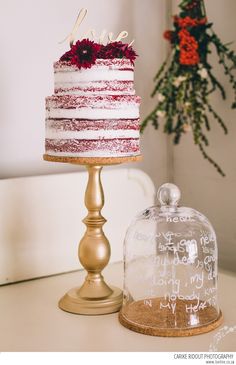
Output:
x,y
94,296
73,303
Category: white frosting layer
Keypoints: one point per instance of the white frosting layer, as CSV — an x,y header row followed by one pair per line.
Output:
x,y
93,75
94,153
131,112
90,134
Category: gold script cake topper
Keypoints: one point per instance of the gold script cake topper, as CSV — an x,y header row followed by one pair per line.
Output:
x,y
92,33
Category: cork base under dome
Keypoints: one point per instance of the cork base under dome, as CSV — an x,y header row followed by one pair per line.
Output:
x,y
155,322
93,160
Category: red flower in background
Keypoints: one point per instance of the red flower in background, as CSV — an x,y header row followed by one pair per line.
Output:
x,y
188,21
189,55
202,21
187,43
185,22
168,35
192,5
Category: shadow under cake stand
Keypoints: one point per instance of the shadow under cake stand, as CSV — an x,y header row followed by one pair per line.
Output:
x,y
94,296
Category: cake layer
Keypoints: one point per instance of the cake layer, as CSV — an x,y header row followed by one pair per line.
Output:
x,y
93,148
93,125
93,107
93,101
94,112
93,75
107,77
103,87
105,64
130,112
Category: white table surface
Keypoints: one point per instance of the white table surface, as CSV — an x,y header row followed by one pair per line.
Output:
x,y
31,321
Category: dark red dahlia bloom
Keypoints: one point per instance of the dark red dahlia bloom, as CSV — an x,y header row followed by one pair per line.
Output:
x,y
130,53
117,50
84,53
113,50
66,56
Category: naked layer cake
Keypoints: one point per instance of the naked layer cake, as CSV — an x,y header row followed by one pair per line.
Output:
x,y
94,111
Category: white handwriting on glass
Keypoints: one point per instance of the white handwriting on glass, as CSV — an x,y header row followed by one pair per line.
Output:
x,y
179,219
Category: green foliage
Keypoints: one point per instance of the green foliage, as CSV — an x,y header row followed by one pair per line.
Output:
x,y
182,90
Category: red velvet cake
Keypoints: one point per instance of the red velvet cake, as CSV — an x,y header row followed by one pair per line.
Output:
x,y
94,111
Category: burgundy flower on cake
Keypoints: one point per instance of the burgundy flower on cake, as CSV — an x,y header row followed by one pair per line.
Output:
x,y
130,54
66,56
83,54
118,50
112,50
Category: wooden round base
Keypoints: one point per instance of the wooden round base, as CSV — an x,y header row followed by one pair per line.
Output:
x,y
154,321
93,160
73,303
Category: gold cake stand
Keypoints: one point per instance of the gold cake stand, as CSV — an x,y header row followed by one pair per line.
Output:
x,y
94,296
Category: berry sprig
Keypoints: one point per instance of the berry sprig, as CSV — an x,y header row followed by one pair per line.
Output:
x,y
186,79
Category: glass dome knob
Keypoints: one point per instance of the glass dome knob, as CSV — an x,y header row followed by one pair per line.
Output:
x,y
168,194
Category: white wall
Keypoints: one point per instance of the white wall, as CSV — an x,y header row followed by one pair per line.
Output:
x,y
202,187
41,219
30,32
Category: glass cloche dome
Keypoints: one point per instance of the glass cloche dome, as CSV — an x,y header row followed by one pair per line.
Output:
x,y
170,270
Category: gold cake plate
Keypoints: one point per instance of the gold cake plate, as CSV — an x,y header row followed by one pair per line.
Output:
x,y
93,160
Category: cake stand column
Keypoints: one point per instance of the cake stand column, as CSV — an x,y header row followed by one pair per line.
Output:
x,y
94,296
